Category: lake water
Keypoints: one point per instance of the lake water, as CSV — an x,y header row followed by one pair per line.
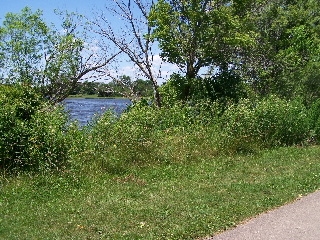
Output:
x,y
84,109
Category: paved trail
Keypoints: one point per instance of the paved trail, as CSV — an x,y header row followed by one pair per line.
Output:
x,y
296,221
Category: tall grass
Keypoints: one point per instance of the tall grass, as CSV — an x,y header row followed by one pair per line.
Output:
x,y
271,122
147,135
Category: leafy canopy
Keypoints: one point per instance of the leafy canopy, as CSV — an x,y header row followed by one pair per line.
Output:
x,y
34,53
196,34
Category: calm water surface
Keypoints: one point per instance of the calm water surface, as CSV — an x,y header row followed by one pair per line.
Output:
x,y
84,110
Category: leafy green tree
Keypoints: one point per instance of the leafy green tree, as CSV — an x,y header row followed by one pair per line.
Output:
x,y
271,44
122,86
86,87
287,45
143,88
89,88
23,40
50,60
309,80
197,34
224,87
125,87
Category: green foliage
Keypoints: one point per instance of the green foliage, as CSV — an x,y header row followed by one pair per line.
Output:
x,y
309,78
174,90
17,105
273,45
314,114
143,88
32,133
226,86
135,137
21,45
147,135
196,34
32,52
47,139
37,136
287,40
223,87
270,122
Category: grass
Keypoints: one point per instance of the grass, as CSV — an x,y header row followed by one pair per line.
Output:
x,y
182,200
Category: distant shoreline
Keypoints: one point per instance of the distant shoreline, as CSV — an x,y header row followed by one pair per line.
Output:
x,y
91,97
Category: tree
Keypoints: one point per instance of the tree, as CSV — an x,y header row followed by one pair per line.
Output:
x,y
50,60
122,86
125,87
287,44
143,88
86,87
196,34
135,40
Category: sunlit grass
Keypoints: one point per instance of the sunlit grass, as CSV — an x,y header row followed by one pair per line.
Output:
x,y
181,200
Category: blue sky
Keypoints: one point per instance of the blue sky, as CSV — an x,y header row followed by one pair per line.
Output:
x,y
48,7
87,8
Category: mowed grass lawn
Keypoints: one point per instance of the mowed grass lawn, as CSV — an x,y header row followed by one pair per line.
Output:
x,y
186,200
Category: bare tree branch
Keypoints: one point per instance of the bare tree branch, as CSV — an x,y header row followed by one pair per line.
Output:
x,y
135,41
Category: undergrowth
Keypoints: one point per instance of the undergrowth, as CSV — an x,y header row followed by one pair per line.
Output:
x,y
176,172
147,135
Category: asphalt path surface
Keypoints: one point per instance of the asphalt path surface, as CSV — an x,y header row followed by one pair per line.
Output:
x,y
299,220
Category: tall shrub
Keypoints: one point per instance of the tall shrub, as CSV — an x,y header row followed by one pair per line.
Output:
x,y
314,114
268,122
32,133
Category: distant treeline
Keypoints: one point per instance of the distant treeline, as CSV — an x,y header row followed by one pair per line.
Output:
x,y
123,87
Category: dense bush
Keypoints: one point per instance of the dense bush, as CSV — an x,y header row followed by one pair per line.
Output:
x,y
315,119
36,135
222,87
266,123
147,135
32,133
137,134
